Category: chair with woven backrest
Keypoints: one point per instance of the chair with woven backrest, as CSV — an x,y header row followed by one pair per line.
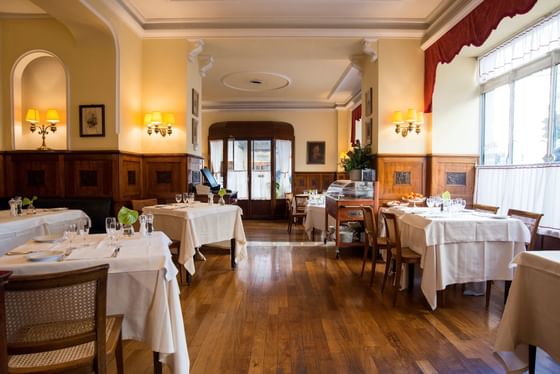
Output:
x,y
175,245
372,240
531,220
485,208
296,210
401,255
57,323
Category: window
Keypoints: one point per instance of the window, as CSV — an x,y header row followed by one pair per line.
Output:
x,y
496,144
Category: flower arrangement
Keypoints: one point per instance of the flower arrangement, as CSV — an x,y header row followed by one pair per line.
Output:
x,y
357,158
27,201
222,192
127,216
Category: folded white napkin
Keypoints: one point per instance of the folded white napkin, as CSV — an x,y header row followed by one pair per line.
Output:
x,y
98,250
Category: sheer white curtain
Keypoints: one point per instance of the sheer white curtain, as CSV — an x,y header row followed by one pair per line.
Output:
x,y
535,188
283,167
216,159
522,49
237,168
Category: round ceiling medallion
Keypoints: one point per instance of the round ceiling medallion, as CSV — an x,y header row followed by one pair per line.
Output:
x,y
255,81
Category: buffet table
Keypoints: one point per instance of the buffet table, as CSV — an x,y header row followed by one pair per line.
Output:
x,y
15,231
532,310
460,247
142,285
199,224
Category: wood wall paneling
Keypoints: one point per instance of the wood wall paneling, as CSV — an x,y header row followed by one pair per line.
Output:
x,y
455,174
2,176
130,177
164,176
89,175
320,181
34,174
399,175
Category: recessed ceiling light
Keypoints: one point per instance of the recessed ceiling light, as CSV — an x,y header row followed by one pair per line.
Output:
x,y
255,81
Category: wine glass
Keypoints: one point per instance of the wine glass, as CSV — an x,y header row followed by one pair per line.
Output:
x,y
119,230
178,197
110,227
191,198
84,228
70,232
430,202
185,197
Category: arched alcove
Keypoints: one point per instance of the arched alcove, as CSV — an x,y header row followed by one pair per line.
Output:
x,y
39,81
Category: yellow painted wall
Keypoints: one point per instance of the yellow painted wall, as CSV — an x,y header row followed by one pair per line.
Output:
x,y
401,82
164,88
90,63
309,125
455,117
344,119
43,87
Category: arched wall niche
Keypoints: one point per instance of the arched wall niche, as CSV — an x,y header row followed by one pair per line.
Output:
x,y
39,81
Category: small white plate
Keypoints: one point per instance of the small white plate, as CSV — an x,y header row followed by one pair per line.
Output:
x,y
53,238
45,256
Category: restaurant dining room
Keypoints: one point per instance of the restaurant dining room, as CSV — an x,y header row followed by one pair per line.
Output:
x,y
280,186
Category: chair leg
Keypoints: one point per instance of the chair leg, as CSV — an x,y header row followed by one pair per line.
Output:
x,y
364,259
119,355
374,255
397,281
488,290
387,266
290,219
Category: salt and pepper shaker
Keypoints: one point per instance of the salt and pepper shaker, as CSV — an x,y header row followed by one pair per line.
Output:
x,y
149,223
13,207
142,220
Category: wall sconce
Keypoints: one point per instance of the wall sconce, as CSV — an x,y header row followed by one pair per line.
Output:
x,y
32,117
157,124
413,121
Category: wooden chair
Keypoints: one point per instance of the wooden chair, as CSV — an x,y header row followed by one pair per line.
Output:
x,y
531,220
485,208
57,323
175,245
372,240
296,210
4,275
401,255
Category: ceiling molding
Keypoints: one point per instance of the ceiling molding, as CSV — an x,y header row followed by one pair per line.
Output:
x,y
206,63
448,17
198,46
267,105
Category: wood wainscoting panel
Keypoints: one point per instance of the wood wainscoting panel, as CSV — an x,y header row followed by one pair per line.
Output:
x,y
2,176
399,175
130,177
319,181
89,174
34,173
164,176
455,174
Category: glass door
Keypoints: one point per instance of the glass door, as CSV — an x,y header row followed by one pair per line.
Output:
x,y
261,178
237,173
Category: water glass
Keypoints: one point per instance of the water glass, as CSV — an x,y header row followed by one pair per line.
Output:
x,y
210,199
430,202
111,227
119,231
186,197
191,198
178,197
70,232
84,228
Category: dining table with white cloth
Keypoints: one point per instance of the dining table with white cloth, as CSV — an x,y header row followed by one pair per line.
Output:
x,y
460,247
141,285
16,230
200,223
532,312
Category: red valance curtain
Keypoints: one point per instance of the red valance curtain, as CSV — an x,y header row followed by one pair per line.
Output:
x,y
356,115
474,29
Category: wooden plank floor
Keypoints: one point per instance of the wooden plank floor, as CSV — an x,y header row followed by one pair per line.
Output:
x,y
293,309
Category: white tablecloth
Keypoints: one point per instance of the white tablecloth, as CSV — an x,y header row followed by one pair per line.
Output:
x,y
461,247
200,224
532,311
15,231
142,285
315,219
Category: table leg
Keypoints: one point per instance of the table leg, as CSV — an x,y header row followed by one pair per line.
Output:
x,y
506,291
532,358
410,277
232,253
157,365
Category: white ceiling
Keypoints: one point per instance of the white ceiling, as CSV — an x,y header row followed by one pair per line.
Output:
x,y
309,43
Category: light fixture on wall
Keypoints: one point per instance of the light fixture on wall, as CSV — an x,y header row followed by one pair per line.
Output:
x,y
33,118
159,124
414,121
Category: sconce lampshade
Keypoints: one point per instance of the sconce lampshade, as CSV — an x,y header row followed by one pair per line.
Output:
x,y
32,116
411,115
168,118
148,119
52,116
420,117
397,117
156,118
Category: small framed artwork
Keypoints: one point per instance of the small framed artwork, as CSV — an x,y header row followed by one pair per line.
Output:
x,y
195,131
369,131
316,153
368,101
195,102
92,120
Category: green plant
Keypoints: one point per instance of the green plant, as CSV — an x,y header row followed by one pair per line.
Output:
x,y
26,201
357,158
127,216
222,192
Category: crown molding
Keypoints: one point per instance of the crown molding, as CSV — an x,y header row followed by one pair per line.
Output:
x,y
227,106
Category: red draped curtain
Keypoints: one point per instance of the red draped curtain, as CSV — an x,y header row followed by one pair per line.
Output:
x,y
356,115
474,29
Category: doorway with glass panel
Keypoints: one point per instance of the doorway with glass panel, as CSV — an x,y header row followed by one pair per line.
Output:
x,y
258,168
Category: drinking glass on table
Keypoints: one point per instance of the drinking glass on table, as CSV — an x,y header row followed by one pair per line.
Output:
x,y
84,228
186,197
430,202
191,198
111,227
119,230
70,232
178,197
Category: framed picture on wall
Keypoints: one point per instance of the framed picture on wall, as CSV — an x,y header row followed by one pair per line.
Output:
x,y
316,153
92,120
195,132
195,102
368,131
368,101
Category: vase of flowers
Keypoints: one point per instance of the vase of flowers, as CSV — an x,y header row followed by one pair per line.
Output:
x,y
357,159
29,203
127,218
222,193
